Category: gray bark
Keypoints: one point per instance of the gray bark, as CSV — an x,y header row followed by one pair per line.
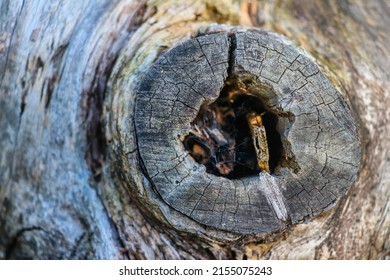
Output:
x,y
70,185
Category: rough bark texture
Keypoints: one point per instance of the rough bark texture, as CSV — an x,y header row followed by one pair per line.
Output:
x,y
68,170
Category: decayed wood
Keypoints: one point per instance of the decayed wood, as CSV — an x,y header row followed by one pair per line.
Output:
x,y
64,198
321,135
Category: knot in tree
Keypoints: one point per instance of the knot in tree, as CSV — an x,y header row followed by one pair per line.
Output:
x,y
168,130
242,132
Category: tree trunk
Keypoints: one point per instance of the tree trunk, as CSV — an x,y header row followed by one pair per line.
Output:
x,y
74,181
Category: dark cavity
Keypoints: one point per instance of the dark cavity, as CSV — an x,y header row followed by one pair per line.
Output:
x,y
221,137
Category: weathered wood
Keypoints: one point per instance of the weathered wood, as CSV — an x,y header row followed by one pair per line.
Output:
x,y
321,135
54,64
68,179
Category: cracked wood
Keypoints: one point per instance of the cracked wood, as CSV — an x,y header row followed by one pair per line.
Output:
x,y
52,207
322,135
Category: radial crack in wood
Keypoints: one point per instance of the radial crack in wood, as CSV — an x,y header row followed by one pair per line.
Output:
x,y
318,133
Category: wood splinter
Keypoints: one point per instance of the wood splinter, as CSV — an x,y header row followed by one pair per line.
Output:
x,y
269,184
259,138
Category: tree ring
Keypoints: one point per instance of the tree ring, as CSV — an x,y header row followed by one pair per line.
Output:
x,y
322,135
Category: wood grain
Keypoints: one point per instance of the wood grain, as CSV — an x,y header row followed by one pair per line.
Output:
x,y
71,183
322,135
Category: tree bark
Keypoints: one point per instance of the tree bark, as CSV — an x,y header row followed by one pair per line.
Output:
x,y
71,185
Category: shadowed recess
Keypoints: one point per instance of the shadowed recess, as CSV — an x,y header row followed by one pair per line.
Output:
x,y
222,136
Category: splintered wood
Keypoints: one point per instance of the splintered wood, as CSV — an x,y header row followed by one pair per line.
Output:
x,y
271,188
259,138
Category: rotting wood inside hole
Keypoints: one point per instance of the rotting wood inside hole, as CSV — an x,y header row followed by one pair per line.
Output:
x,y
221,137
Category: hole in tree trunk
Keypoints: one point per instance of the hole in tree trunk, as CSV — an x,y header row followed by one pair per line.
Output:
x,y
240,134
